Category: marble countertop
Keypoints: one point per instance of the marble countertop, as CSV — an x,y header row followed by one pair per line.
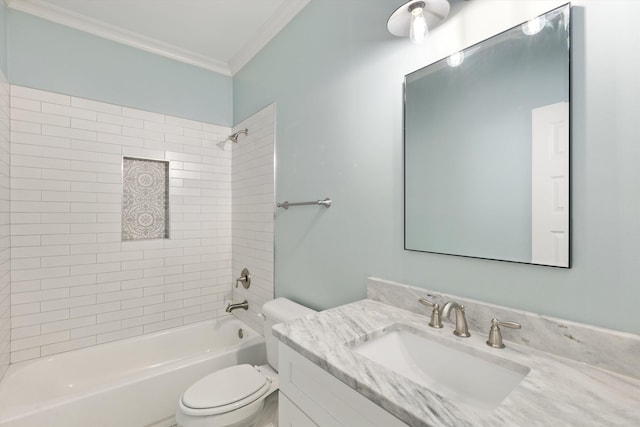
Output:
x,y
557,391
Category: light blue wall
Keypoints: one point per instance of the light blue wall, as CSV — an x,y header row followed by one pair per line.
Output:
x,y
3,37
48,56
336,77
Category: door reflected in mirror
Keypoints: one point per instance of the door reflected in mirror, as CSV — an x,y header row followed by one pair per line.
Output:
x,y
486,148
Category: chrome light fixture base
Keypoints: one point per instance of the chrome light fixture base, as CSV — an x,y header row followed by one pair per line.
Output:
x,y
435,11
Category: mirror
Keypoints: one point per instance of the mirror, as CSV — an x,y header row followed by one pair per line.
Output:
x,y
486,148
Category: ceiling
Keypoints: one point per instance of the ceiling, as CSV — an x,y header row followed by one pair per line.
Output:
x,y
219,35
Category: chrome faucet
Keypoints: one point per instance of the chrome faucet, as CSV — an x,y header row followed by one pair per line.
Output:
x,y
461,322
244,304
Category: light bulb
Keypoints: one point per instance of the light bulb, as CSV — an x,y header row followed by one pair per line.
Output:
x,y
418,29
534,26
455,59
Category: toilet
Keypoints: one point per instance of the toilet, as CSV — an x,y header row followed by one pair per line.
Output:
x,y
235,396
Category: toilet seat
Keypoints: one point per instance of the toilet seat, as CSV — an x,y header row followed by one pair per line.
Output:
x,y
225,390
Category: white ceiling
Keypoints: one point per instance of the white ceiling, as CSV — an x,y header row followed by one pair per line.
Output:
x,y
219,35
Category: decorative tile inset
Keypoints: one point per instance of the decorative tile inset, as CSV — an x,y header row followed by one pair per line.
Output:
x,y
145,199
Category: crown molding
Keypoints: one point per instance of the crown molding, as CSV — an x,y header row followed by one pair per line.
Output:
x,y
96,27
283,15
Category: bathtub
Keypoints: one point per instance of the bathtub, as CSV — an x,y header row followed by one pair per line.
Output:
x,y
130,383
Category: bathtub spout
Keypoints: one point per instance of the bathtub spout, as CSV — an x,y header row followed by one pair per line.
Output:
x,y
244,304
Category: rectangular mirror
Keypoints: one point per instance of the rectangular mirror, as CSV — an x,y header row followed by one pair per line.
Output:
x,y
486,148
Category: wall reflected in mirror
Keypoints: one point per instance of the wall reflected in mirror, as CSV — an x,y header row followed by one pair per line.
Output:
x,y
487,148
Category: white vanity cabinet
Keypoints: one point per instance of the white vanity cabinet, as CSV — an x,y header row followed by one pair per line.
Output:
x,y
310,396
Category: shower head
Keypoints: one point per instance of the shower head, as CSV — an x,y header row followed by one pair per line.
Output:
x,y
234,137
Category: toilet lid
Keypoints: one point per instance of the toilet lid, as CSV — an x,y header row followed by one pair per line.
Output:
x,y
225,387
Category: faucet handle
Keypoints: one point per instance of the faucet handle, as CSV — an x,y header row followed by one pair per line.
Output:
x,y
435,322
245,278
495,336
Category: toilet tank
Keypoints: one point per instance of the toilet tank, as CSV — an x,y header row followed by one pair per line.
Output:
x,y
277,311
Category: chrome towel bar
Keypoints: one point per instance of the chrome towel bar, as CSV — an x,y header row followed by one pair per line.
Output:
x,y
326,203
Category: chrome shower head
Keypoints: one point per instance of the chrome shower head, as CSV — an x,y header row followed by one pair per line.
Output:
x,y
234,137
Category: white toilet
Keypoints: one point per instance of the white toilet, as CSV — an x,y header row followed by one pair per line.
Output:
x,y
235,396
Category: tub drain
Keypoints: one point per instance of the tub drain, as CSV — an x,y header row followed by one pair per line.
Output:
x,y
240,333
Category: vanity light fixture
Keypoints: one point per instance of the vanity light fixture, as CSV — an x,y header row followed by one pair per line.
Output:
x,y
534,26
418,28
414,19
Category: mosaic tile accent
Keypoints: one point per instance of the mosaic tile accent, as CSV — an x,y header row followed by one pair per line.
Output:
x,y
145,199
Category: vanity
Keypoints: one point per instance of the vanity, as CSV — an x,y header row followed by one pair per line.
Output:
x,y
377,362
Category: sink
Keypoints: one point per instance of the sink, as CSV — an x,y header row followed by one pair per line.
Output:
x,y
455,371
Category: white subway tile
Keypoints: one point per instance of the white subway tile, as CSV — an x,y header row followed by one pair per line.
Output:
x,y
30,229
167,324
69,239
40,273
162,307
143,320
182,312
25,104
144,115
67,303
142,134
96,329
143,301
96,126
25,252
97,288
120,296
39,95
37,117
120,315
97,147
94,309
64,325
38,318
120,276
75,344
62,110
38,296
142,283
25,286
24,309
39,340
66,214
101,107
28,354
121,140
120,120
94,268
27,331
60,153
67,175
54,261
65,132
25,127
120,335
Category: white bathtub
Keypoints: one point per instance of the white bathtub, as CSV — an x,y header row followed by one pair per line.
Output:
x,y
131,383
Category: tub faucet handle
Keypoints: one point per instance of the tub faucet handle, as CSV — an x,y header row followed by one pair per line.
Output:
x,y
435,322
245,278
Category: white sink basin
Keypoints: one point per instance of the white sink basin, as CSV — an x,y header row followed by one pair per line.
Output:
x,y
458,372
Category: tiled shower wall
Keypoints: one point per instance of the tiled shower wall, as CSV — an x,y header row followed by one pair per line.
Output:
x,y
75,283
253,193
5,284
